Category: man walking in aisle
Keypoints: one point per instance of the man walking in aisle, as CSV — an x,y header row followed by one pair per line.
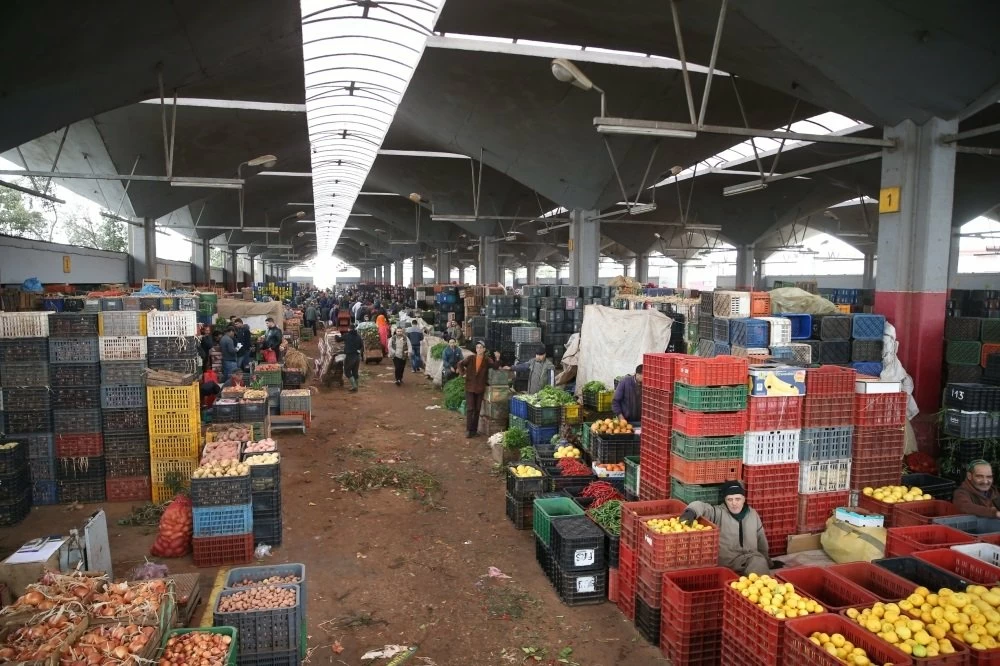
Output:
x,y
416,336
271,342
399,349
228,347
354,346
476,369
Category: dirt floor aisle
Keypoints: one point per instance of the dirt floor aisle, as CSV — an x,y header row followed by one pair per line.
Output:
x,y
387,566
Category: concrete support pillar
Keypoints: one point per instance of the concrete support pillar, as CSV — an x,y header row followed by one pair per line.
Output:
x,y
233,271
532,274
418,271
682,273
461,273
252,271
442,274
489,271
868,277
758,274
624,268
918,184
953,282
584,247
201,261
142,251
642,268
397,273
744,266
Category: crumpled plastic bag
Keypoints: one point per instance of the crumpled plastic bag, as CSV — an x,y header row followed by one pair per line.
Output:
x,y
844,542
793,299
32,285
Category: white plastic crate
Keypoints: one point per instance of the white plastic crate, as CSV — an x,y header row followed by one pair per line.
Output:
x,y
24,324
825,476
986,552
781,330
746,352
123,348
771,448
731,304
180,323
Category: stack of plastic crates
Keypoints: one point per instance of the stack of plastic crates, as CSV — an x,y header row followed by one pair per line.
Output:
x,y
25,404
824,474
123,404
691,616
207,303
969,398
879,438
75,383
579,560
656,421
709,422
223,520
265,499
174,437
241,578
866,344
829,399
633,513
299,402
173,341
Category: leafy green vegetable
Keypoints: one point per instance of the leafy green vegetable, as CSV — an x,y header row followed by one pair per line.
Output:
x,y
516,438
594,387
550,396
527,453
454,393
437,351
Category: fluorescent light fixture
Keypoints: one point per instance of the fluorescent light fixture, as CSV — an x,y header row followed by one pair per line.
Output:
x,y
267,161
454,218
292,174
232,104
299,204
665,132
542,231
361,215
379,194
704,227
255,230
217,186
423,153
743,188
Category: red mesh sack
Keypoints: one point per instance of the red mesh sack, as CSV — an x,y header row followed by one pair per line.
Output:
x,y
176,528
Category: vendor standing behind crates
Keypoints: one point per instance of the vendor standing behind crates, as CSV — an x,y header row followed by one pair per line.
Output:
x,y
540,371
271,341
476,369
977,496
228,346
627,403
742,542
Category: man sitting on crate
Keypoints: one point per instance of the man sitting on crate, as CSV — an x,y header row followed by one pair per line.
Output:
x,y
742,543
627,403
977,496
540,370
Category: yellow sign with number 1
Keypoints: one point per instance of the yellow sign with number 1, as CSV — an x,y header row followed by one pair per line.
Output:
x,y
888,200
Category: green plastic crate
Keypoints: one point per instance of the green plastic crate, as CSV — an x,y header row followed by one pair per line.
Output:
x,y
517,422
692,492
990,331
963,352
461,408
585,437
711,398
545,509
632,474
225,631
706,448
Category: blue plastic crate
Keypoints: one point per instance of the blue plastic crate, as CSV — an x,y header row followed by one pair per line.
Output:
x,y
867,327
720,330
44,492
212,521
868,368
518,408
802,325
782,352
722,349
53,304
748,332
541,434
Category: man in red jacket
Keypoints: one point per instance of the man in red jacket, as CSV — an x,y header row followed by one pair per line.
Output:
x,y
476,370
977,496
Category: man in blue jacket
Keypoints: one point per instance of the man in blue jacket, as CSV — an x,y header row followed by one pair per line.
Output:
x,y
416,336
451,358
627,403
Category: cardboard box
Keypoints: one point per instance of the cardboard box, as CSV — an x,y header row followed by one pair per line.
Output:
x,y
864,384
23,568
777,380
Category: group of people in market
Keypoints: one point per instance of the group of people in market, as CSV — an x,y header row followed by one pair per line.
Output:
x,y
235,345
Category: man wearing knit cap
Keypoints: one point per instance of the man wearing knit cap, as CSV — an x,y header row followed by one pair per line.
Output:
x,y
742,543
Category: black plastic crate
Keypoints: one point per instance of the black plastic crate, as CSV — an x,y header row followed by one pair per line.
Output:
x,y
577,543
14,459
222,491
971,425
578,588
720,330
73,325
74,304
126,464
14,484
80,469
81,397
42,469
14,375
991,375
935,486
977,526
28,422
866,350
129,373
543,555
75,374
74,350
15,509
571,484
149,303
923,573
520,512
647,621
968,374
70,492
225,412
24,350
962,328
972,397
184,366
611,544
834,352
524,487
831,327
28,399
613,449
65,421
39,444
252,412
124,420
264,478
123,396
263,630
172,347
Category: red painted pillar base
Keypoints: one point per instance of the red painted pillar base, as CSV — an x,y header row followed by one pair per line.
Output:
x,y
919,321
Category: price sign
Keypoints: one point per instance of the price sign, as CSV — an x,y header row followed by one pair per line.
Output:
x,y
586,584
583,558
888,200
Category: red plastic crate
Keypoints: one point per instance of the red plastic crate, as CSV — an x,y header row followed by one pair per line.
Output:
x,y
649,586
613,584
988,348
778,544
876,580
774,413
627,572
692,600
760,304
770,481
79,445
701,649
816,508
217,551
735,653
921,512
880,409
877,442
965,566
655,436
830,380
658,371
834,592
750,631
657,404
704,471
877,472
960,657
906,540
633,511
824,411
779,515
798,649
886,509
705,424
129,489
306,417
717,371
681,550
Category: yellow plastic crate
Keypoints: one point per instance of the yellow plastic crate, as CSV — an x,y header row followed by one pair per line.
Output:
x,y
173,398
175,446
846,309
604,399
174,423
572,413
161,467
161,494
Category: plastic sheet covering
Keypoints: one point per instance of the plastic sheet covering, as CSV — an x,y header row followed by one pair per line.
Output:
x,y
793,299
613,342
893,370
433,366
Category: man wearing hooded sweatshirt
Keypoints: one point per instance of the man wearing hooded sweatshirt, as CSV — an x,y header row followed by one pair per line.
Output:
x,y
742,543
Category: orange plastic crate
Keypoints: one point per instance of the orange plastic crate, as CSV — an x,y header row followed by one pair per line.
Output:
x,y
704,471
760,304
766,413
880,409
825,411
798,649
906,540
633,511
988,348
692,600
830,380
877,441
714,424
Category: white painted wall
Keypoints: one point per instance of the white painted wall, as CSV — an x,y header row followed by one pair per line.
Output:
x,y
175,270
21,259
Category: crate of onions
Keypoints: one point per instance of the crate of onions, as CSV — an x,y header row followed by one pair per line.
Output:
x,y
142,602
116,644
263,446
215,646
41,643
267,617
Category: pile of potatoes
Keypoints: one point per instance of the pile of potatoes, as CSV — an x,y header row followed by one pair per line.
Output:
x,y
262,459
234,433
258,598
261,446
255,394
218,469
220,450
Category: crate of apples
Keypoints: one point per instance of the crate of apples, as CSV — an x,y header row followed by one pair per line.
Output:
x,y
611,427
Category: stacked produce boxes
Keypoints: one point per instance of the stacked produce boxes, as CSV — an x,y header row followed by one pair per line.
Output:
x,y
297,402
174,421
495,413
75,375
826,446
25,403
222,510
691,617
656,425
447,306
124,419
207,305
265,487
267,633
879,434
173,341
983,400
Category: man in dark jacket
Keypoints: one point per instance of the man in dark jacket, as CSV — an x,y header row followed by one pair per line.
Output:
x,y
742,542
977,496
450,359
228,347
540,370
476,369
273,338
416,336
627,403
243,344
354,346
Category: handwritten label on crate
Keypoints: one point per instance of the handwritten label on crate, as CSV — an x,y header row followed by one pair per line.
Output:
x,y
583,558
649,540
586,584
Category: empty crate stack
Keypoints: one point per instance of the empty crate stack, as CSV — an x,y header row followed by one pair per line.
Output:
x,y
972,420
75,375
831,342
709,422
123,404
25,404
222,513
173,341
447,307
879,434
657,420
265,497
866,343
969,343
691,617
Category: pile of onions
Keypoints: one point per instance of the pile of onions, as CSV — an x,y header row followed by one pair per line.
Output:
x,y
197,648
116,644
39,641
130,601
55,589
258,598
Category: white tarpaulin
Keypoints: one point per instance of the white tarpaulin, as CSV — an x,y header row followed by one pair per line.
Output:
x,y
612,342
